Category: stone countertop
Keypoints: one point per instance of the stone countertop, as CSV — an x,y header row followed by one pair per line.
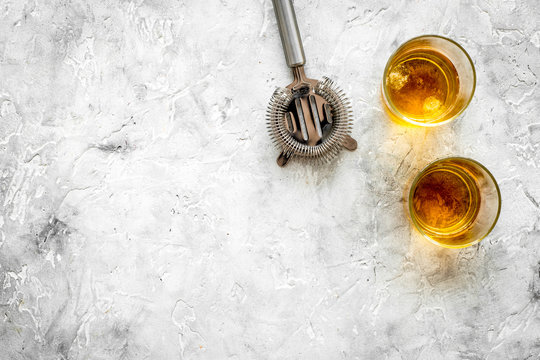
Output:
x,y
142,214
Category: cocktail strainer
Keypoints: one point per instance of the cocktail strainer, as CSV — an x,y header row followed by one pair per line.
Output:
x,y
308,119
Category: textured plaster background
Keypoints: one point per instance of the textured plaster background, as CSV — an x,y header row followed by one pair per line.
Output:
x,y
142,215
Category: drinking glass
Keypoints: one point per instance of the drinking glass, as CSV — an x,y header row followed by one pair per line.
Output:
x,y
454,202
428,81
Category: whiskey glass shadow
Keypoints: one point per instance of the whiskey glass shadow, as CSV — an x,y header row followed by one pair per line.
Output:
x,y
454,202
428,81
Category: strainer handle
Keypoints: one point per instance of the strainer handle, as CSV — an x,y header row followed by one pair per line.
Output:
x,y
288,30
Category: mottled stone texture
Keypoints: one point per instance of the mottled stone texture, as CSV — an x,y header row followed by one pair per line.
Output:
x,y
142,215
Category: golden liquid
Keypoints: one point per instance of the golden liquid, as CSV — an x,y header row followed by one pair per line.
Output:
x,y
422,85
445,203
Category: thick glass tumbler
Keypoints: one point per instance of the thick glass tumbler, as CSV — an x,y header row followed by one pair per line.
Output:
x,y
428,81
454,202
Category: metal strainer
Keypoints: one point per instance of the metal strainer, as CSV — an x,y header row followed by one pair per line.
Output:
x,y
308,119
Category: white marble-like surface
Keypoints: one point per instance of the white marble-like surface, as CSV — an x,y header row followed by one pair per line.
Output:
x,y
142,215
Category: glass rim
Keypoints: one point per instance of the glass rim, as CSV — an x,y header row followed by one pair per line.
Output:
x,y
419,123
423,233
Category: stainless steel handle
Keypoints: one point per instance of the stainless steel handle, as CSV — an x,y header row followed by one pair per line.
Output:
x,y
288,30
